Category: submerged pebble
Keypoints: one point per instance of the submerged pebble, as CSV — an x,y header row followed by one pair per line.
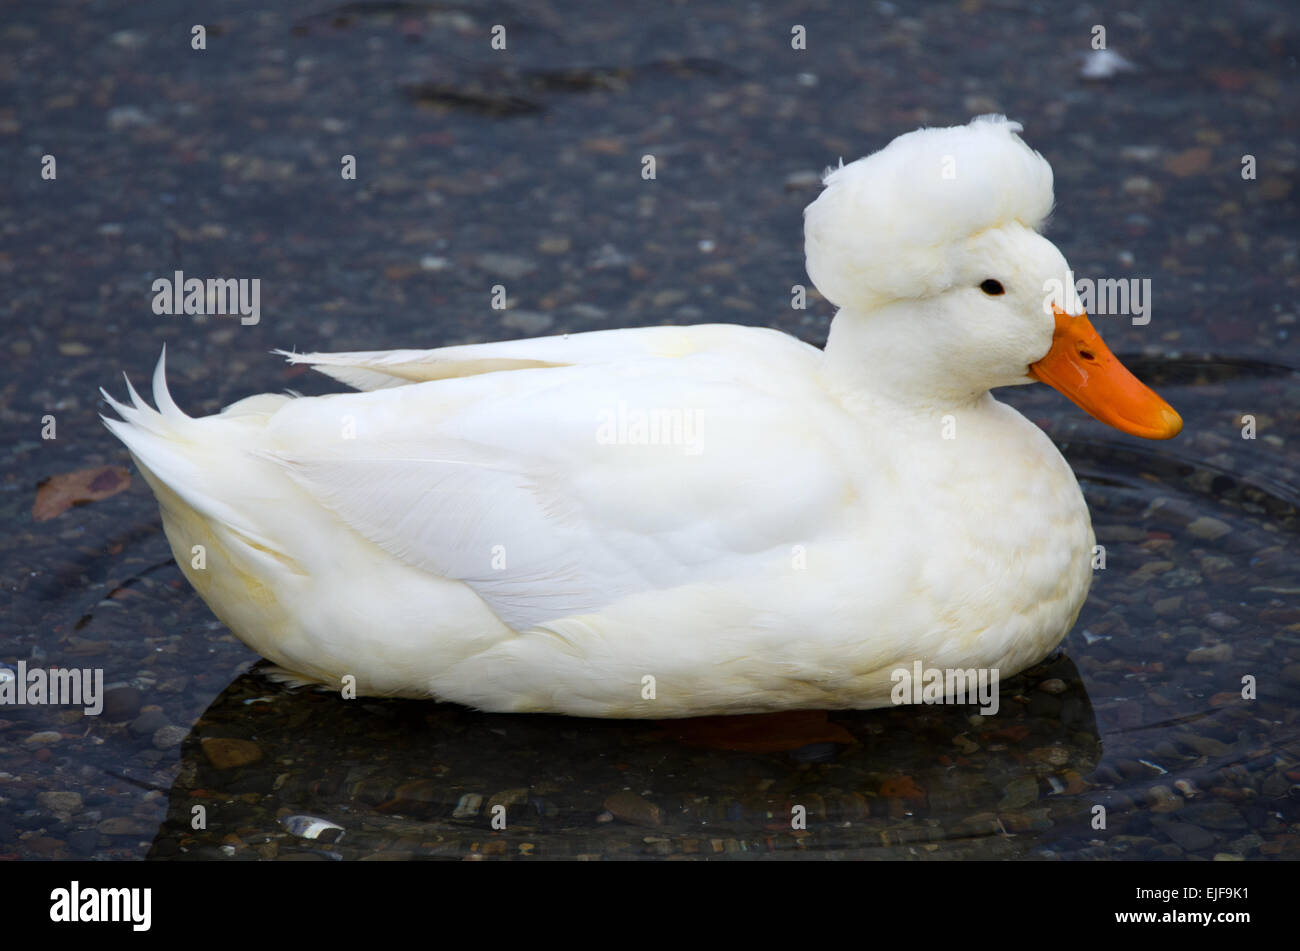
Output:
x,y
228,753
630,807
1217,654
1208,528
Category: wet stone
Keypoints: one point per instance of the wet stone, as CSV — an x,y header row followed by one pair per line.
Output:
x,y
83,842
1136,823
1217,654
1019,793
1164,750
555,244
45,845
1274,786
169,737
1030,820
508,798
43,739
127,825
418,794
964,743
1168,606
1187,789
1186,836
372,791
1246,844
1205,745
1221,621
149,722
630,807
1051,755
1208,528
1162,799
122,703
1215,815
227,753
61,804
1131,769
508,266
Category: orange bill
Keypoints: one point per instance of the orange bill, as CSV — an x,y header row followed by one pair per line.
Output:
x,y
1082,367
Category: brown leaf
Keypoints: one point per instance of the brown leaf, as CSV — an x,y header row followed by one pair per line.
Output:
x,y
1191,162
604,145
59,493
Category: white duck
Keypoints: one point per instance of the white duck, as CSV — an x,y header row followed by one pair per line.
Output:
x,y
679,521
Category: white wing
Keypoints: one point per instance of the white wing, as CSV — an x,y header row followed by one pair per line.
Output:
x,y
556,490
380,369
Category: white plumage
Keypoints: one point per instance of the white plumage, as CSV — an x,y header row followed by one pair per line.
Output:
x,y
542,525
896,224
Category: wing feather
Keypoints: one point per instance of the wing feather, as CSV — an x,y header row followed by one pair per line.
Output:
x,y
508,482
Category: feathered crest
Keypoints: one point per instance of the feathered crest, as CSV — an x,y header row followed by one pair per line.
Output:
x,y
892,226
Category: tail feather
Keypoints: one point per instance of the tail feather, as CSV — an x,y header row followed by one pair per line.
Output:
x,y
161,395
179,456
159,422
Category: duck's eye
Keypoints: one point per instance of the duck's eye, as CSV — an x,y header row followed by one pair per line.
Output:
x,y
992,288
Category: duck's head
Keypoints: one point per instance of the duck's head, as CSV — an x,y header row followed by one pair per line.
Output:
x,y
931,250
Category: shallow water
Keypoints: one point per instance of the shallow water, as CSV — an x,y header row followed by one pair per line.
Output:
x,y
479,168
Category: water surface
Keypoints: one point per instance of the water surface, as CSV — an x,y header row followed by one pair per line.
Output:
x,y
522,167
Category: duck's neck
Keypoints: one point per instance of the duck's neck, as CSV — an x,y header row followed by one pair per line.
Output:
x,y
894,358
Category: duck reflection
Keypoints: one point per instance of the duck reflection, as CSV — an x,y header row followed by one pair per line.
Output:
x,y
271,773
